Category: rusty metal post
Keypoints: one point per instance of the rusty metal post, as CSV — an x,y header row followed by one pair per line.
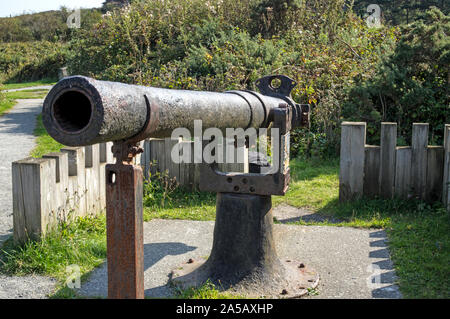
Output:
x,y
124,222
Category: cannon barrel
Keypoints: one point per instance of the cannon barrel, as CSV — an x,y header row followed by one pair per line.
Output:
x,y
82,111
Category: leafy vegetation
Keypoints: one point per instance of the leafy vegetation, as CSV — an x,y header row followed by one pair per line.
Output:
x,y
44,26
411,85
344,69
401,11
31,61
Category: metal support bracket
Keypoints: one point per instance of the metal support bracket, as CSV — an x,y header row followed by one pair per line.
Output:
x,y
124,223
274,183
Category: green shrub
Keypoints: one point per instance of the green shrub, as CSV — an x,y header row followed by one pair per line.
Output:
x,y
44,26
31,61
410,85
216,45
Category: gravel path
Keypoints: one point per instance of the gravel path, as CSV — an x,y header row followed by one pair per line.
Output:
x,y
16,142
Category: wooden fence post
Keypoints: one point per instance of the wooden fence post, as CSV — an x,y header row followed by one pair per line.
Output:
x,y
419,159
77,179
106,157
351,177
92,178
446,177
403,188
435,168
34,184
387,159
372,171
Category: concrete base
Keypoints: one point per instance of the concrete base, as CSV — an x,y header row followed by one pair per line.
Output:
x,y
243,259
298,279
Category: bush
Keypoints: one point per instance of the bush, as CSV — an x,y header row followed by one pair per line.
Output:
x,y
217,45
44,26
410,85
30,61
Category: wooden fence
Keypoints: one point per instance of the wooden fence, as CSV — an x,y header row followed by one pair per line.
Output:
x,y
157,158
417,171
71,183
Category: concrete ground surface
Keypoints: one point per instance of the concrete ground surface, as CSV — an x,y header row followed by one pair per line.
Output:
x,y
41,87
16,142
352,263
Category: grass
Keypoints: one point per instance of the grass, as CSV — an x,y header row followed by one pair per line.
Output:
x,y
207,291
6,105
81,243
13,86
27,94
44,143
163,199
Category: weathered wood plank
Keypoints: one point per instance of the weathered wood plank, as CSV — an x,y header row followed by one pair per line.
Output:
x,y
435,162
92,179
387,159
34,185
153,157
77,179
106,157
351,177
446,175
403,186
146,159
419,159
371,171
61,196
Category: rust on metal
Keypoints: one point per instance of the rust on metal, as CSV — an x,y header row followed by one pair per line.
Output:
x,y
124,215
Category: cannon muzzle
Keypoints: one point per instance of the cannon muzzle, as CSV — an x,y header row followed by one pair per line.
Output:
x,y
81,111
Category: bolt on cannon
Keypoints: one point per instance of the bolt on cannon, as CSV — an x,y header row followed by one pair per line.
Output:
x,y
81,111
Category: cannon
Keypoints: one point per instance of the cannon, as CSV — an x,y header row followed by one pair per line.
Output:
x,y
81,111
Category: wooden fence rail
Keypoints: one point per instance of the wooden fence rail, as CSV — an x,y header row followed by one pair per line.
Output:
x,y
386,171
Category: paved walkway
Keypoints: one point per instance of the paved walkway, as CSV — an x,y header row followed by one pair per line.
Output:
x,y
352,263
42,87
16,142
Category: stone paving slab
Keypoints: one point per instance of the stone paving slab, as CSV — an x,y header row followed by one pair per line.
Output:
x,y
346,258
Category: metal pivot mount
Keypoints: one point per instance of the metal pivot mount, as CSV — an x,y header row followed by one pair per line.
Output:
x,y
288,115
124,223
243,258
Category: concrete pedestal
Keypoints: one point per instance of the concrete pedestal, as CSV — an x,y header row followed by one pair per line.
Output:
x,y
243,259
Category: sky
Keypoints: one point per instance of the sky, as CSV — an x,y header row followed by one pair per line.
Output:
x,y
16,7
